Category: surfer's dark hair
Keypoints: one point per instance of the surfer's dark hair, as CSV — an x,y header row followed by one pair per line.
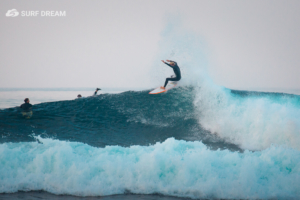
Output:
x,y
26,99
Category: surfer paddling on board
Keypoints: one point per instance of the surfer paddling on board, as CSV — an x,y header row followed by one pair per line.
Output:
x,y
176,69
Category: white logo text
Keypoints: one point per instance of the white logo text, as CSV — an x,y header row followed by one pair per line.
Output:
x,y
35,13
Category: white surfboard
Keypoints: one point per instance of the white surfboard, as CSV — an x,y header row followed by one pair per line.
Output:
x,y
168,87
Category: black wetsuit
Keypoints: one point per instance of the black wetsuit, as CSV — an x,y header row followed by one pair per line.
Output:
x,y
26,107
176,71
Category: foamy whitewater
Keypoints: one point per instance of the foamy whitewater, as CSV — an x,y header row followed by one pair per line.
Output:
x,y
178,168
252,120
198,140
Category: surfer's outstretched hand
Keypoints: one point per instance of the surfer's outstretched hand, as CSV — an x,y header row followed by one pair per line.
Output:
x,y
163,61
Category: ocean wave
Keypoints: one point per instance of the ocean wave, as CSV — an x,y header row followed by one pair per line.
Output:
x,y
174,167
110,119
210,113
252,120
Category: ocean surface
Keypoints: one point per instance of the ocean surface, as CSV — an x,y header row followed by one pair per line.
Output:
x,y
199,142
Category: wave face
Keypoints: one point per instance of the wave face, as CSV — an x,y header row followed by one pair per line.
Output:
x,y
219,117
177,168
129,118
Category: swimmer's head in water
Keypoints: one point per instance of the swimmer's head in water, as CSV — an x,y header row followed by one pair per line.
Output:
x,y
26,100
78,96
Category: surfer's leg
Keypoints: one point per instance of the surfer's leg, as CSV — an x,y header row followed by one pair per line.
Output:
x,y
166,82
177,78
170,79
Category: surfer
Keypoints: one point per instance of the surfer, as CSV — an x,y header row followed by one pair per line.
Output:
x,y
96,91
176,69
26,107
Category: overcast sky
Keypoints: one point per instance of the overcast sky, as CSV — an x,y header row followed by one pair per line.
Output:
x,y
118,43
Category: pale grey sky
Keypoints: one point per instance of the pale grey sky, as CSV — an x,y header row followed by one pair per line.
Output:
x,y
247,44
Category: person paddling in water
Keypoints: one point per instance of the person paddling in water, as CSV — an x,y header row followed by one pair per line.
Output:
x,y
26,109
176,69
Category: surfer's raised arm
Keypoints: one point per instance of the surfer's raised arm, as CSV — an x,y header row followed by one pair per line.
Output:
x,y
171,61
167,63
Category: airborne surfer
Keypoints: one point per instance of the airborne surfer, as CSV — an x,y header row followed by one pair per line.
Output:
x,y
176,69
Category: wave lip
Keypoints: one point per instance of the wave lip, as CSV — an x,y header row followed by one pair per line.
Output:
x,y
176,168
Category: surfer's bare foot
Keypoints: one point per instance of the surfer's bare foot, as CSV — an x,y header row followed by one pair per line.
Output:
x,y
162,87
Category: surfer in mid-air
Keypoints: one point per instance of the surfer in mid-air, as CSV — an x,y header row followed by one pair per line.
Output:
x,y
176,69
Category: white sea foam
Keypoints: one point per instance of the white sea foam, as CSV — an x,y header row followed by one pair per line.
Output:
x,y
252,122
177,168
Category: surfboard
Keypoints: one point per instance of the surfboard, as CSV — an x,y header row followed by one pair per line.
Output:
x,y
168,87
27,115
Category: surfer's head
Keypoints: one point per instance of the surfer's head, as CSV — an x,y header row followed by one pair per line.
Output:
x,y
172,63
26,100
79,96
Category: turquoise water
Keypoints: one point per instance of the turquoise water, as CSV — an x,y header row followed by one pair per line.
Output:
x,y
191,142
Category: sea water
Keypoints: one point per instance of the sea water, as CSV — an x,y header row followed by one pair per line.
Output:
x,y
177,145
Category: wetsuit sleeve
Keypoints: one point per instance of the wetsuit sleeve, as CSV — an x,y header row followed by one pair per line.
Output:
x,y
169,65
